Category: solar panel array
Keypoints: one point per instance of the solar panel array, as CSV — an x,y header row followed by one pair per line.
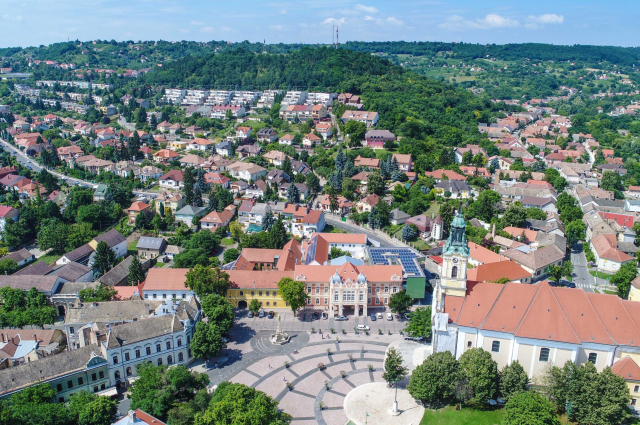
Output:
x,y
405,256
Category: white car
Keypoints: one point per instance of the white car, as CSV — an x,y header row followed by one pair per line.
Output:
x,y
341,318
379,315
389,316
362,327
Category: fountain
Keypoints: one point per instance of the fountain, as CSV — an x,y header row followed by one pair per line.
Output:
x,y
279,338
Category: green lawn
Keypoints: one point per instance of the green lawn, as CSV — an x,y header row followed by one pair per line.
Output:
x,y
467,416
49,258
132,248
330,229
600,275
227,242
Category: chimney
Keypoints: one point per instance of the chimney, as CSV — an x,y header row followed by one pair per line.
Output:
x,y
493,231
132,416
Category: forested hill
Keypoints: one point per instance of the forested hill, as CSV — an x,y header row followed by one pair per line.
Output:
x,y
532,51
408,103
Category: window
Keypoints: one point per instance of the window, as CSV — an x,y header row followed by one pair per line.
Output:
x,y
454,271
308,289
308,301
61,400
59,387
593,357
170,360
253,293
369,290
115,359
168,345
368,300
180,357
326,301
259,293
275,303
158,348
117,374
126,357
146,296
495,346
129,373
95,389
148,351
189,352
275,294
188,339
326,289
164,296
633,401
70,384
395,289
184,296
80,380
469,344
361,297
266,293
137,354
160,361
386,289
636,388
386,300
317,301
93,377
544,355
377,300
155,296
71,330
179,342
103,386
101,374
335,298
241,293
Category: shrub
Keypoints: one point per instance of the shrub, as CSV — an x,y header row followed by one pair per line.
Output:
x,y
343,373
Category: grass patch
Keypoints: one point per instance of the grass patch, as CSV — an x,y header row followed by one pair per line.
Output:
x,y
132,248
600,275
49,258
467,416
419,244
227,242
330,229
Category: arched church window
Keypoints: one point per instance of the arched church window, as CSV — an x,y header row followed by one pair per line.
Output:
x,y
454,271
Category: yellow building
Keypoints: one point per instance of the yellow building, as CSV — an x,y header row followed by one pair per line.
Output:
x,y
634,292
630,372
247,285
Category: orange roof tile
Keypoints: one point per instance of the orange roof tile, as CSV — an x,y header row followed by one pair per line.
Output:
x,y
478,302
510,308
484,255
346,271
493,272
165,279
582,316
248,279
627,369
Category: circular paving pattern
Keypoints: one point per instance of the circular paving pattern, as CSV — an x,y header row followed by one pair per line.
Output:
x,y
311,378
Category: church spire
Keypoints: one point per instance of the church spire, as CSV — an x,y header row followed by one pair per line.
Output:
x,y
457,240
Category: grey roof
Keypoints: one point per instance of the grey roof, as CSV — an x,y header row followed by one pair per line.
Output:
x,y
117,274
41,283
538,201
73,288
537,259
112,238
267,132
190,210
147,242
173,249
522,192
453,186
379,134
277,206
223,145
72,271
79,253
50,367
111,311
397,214
19,255
627,247
260,209
133,332
39,268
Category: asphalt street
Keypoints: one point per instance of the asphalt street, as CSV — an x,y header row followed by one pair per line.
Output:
x,y
581,276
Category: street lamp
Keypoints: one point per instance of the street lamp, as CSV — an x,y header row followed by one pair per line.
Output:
x,y
569,408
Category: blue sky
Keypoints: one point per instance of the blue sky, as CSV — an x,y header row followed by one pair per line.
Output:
x,y
33,22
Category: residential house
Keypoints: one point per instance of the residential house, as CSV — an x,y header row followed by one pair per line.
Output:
x,y
187,213
287,139
149,247
135,209
442,175
458,189
22,257
545,204
243,132
369,118
608,257
200,144
310,140
7,213
96,166
367,203
78,255
148,172
375,139
174,179
113,239
404,162
217,179
302,188
165,155
325,130
398,217
100,192
344,205
267,135
192,161
248,151
215,220
173,201
247,171
244,211
537,261
166,284
276,157
366,162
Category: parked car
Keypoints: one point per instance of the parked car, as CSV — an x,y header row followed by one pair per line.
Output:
x,y
250,314
315,316
362,327
373,317
389,316
261,314
341,318
407,316
271,315
378,315
571,285
325,315
553,283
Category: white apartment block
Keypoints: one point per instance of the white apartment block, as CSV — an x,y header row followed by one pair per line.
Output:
x,y
173,96
320,99
219,97
195,97
294,98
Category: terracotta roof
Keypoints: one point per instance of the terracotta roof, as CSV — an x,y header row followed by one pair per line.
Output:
x,y
451,175
616,319
517,232
606,247
478,303
495,271
483,255
248,279
139,206
510,307
147,418
346,271
358,238
582,316
176,175
166,279
627,369
259,255
312,217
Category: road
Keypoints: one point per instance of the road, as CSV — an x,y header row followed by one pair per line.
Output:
x,y
24,159
351,228
581,276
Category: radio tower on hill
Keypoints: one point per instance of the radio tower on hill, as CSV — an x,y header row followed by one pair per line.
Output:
x,y
337,37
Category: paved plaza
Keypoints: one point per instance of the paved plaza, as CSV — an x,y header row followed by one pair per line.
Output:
x,y
321,369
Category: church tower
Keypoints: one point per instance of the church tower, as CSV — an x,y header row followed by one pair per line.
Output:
x,y
455,257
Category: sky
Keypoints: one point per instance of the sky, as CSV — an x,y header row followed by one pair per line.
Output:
x,y
33,22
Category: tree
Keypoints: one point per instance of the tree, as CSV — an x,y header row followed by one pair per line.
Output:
x,y
240,404
105,258
529,408
278,235
481,371
230,255
400,302
8,266
435,379
467,157
292,292
623,277
515,215
445,212
188,185
513,380
356,131
420,323
254,306
101,293
204,280
393,369
571,214
337,252
136,274
293,193
612,181
409,231
313,183
375,185
268,220
486,206
219,311
207,340
98,411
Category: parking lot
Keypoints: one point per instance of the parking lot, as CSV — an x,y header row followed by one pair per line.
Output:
x,y
304,321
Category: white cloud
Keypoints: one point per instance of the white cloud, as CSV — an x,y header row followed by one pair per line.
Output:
x,y
369,18
197,24
394,21
490,21
17,18
331,21
534,22
207,29
366,9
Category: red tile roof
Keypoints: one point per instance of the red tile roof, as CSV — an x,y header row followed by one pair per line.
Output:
x,y
495,271
627,369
